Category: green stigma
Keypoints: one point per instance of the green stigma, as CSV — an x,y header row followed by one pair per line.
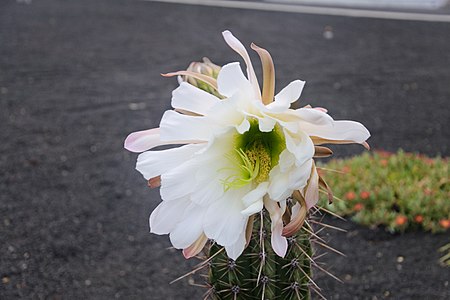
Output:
x,y
255,154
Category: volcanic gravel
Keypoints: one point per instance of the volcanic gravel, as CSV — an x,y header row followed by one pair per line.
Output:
x,y
77,76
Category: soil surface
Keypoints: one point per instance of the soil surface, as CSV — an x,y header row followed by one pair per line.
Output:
x,y
77,76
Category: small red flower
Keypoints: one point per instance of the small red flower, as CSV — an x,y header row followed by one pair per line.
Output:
x,y
358,207
428,191
384,154
346,169
384,162
445,223
364,195
350,196
429,161
418,219
401,220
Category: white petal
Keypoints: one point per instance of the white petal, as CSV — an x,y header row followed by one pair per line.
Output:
x,y
208,187
223,220
279,242
236,249
256,109
286,96
243,127
176,126
190,98
314,116
290,126
141,141
189,229
166,215
266,124
255,194
237,46
336,130
300,175
253,201
299,144
231,80
286,160
179,181
253,208
155,163
226,113
279,184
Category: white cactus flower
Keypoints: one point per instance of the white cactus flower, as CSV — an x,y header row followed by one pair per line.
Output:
x,y
240,153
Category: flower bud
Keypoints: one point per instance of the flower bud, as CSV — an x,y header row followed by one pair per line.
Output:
x,y
205,68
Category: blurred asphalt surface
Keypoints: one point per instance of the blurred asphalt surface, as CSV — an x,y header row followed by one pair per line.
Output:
x,y
77,76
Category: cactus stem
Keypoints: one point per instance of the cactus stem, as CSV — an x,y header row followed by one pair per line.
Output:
x,y
260,274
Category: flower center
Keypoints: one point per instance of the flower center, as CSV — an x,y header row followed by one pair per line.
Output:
x,y
255,154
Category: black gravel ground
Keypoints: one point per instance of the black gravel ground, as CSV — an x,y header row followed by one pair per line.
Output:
x,y
77,76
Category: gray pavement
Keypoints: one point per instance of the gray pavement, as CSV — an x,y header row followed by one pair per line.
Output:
x,y
77,76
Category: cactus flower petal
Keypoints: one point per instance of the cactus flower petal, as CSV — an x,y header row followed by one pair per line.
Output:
x,y
235,250
312,189
144,140
319,124
231,80
166,216
299,211
237,46
224,221
268,74
286,96
278,241
188,97
154,163
189,227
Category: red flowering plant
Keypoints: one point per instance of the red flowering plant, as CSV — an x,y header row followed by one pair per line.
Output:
x,y
397,190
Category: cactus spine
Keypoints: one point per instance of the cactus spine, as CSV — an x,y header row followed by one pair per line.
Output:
x,y
259,273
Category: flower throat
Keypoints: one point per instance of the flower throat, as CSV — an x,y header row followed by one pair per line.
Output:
x,y
256,154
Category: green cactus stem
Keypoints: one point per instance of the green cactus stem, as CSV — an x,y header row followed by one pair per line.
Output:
x,y
259,273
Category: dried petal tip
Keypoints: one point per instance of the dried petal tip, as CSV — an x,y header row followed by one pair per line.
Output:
x,y
324,185
154,182
298,217
196,247
268,91
206,68
322,151
207,79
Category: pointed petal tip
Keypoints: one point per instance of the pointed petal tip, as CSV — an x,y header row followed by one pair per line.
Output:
x,y
185,254
226,32
280,247
366,145
141,141
128,143
196,247
254,46
154,182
